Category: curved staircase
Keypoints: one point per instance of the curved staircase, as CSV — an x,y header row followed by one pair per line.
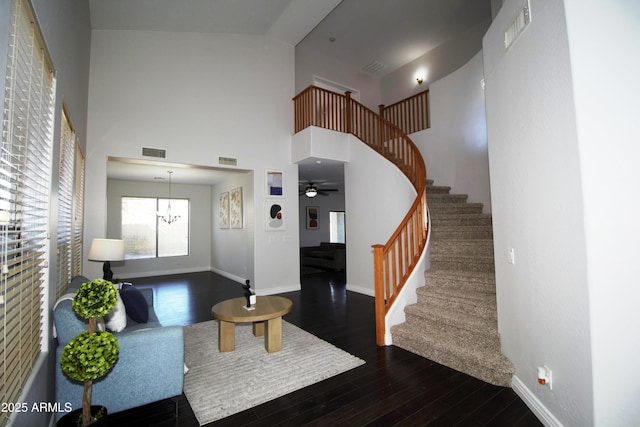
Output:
x,y
454,321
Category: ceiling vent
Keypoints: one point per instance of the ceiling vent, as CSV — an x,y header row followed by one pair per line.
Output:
x,y
519,23
228,161
374,67
154,152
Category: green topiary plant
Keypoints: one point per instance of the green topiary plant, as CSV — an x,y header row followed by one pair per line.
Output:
x,y
91,354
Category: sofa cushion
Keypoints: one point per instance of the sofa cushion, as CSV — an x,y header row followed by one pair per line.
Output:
x,y
134,303
116,321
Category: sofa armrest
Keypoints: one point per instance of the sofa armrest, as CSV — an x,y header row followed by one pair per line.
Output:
x,y
150,368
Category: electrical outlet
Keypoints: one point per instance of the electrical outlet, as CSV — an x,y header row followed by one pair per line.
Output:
x,y
545,377
512,256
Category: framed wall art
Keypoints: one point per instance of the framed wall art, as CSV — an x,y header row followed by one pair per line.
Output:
x,y
312,218
275,215
223,210
235,208
274,181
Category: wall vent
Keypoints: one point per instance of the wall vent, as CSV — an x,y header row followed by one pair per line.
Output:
x,y
519,23
154,152
228,161
374,67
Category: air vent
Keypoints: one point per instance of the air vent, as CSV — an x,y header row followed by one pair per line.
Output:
x,y
519,23
228,161
154,152
374,67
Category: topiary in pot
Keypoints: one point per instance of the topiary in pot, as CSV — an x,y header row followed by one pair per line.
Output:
x,y
91,354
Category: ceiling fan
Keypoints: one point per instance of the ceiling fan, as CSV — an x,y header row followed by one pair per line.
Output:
x,y
310,190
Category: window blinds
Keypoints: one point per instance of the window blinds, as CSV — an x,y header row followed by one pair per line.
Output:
x,y
65,204
78,213
25,171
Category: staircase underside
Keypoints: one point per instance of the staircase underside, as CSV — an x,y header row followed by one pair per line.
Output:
x,y
454,321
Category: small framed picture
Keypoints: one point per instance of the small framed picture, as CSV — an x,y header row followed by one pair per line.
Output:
x,y
274,184
275,215
313,222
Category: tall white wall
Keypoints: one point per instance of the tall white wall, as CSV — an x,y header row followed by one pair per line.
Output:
x,y
608,151
199,96
433,65
377,197
539,210
455,146
232,252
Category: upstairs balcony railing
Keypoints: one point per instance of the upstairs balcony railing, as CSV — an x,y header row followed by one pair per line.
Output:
x,y
397,258
411,114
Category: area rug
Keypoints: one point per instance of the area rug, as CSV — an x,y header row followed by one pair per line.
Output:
x,y
221,384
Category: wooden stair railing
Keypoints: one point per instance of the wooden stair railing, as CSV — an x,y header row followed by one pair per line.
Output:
x,y
393,261
411,114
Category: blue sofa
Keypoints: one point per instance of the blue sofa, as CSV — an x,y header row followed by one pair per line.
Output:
x,y
150,366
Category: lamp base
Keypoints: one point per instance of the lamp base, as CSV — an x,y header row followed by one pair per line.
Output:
x,y
107,274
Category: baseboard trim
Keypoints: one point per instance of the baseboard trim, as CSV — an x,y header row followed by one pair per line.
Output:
x,y
229,275
537,407
361,290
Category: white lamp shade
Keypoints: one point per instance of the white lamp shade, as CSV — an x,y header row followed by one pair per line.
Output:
x,y
106,250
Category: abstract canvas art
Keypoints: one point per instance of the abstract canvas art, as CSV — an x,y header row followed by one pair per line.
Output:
x,y
235,207
274,212
312,218
223,212
274,184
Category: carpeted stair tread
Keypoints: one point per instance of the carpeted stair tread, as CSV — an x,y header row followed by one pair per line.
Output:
x,y
482,247
424,315
447,302
447,198
465,281
461,232
460,291
485,363
437,189
449,218
454,208
462,262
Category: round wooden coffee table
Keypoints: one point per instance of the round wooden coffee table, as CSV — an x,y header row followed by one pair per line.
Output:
x,y
266,318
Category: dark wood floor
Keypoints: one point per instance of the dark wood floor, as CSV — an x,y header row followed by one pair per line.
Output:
x,y
394,387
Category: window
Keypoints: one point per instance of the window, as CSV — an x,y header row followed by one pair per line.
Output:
x,y
25,175
145,235
336,227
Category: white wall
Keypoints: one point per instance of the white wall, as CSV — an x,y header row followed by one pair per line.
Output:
x,y
310,63
200,220
455,146
434,65
199,96
377,197
537,192
232,248
606,94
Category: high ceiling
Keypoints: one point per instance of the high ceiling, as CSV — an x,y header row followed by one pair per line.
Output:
x,y
360,33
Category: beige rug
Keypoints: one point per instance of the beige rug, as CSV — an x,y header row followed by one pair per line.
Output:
x,y
221,384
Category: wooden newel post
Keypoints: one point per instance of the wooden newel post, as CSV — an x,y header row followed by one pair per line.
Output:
x,y
348,120
378,279
381,110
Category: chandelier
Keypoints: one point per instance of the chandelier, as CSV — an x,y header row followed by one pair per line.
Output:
x,y
168,216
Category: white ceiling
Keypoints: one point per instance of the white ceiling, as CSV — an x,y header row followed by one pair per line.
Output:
x,y
388,32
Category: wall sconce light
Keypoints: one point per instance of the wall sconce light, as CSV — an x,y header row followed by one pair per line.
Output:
x,y
419,80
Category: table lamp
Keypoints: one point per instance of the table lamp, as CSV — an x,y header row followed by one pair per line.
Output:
x,y
106,250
